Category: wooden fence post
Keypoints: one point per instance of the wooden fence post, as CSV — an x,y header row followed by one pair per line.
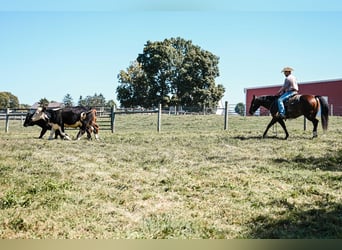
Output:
x,y
226,115
112,119
304,123
7,120
159,117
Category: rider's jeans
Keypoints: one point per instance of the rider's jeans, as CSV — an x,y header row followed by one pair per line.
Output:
x,y
283,98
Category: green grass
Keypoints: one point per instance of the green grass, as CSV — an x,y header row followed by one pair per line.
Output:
x,y
192,180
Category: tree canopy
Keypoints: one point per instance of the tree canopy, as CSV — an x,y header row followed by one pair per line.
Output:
x,y
97,100
68,101
171,72
8,100
240,108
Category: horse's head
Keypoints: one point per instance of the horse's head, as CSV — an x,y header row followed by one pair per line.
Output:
x,y
266,101
255,104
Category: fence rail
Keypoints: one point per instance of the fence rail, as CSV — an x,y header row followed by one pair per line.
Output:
x,y
106,116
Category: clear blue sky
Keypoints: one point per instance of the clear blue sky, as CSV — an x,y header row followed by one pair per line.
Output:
x,y
53,48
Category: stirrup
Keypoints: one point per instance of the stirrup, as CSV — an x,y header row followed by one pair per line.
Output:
x,y
281,116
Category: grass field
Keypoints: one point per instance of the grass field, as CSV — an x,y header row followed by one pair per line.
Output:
x,y
192,180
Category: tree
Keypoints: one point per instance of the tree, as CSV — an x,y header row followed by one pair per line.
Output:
x,y
43,102
67,100
240,108
81,101
8,100
93,101
171,72
134,89
111,103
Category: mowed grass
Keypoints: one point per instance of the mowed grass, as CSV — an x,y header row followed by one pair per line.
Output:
x,y
192,180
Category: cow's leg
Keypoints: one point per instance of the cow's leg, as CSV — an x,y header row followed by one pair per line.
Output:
x,y
56,127
64,135
57,133
89,130
52,133
96,130
42,133
80,133
82,130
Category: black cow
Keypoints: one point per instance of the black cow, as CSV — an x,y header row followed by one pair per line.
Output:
x,y
87,122
75,117
41,123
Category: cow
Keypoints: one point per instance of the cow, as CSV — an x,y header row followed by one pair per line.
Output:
x,y
89,125
74,117
87,122
41,123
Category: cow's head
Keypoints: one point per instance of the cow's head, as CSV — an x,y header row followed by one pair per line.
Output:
x,y
39,115
28,120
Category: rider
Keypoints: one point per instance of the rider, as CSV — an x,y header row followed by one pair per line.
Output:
x,y
289,89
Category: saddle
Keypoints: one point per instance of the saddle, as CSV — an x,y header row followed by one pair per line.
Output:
x,y
291,102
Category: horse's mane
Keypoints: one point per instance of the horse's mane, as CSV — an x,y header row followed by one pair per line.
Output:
x,y
267,97
267,100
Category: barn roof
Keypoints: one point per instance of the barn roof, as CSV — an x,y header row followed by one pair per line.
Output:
x,y
301,83
51,105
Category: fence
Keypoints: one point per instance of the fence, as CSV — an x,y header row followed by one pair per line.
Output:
x,y
114,112
16,114
106,116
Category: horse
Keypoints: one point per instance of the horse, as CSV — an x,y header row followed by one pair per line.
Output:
x,y
307,105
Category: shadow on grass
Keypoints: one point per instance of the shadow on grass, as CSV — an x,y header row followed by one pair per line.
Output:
x,y
322,223
243,138
329,162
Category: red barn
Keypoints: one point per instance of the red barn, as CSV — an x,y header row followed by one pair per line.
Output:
x,y
331,89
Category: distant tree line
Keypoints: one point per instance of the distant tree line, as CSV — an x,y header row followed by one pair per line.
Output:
x,y
173,72
97,100
8,100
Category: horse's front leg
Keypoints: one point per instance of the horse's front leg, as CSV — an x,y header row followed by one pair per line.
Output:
x,y
282,123
272,122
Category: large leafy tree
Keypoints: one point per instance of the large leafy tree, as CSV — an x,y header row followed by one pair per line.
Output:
x,y
171,72
8,100
134,89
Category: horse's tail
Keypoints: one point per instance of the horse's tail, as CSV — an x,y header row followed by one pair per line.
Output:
x,y
324,112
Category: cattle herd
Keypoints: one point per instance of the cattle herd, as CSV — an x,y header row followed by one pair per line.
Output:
x,y
56,120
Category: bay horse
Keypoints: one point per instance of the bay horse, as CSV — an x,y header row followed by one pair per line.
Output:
x,y
307,105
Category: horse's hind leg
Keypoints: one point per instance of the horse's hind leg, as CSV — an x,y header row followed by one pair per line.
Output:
x,y
315,125
282,123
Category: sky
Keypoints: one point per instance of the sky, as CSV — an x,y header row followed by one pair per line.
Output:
x,y
52,48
